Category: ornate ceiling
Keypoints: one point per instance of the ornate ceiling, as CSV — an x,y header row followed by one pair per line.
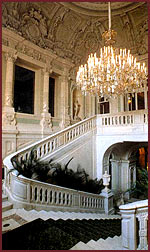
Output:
x,y
74,29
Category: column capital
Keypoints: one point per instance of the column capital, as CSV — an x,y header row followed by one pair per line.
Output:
x,y
11,56
47,69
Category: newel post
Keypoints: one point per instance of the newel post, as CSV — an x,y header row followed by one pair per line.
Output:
x,y
107,194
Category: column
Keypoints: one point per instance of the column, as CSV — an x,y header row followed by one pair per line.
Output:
x,y
8,116
64,100
122,103
136,102
124,175
46,121
115,176
145,98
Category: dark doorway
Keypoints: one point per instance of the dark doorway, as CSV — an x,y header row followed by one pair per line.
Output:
x,y
141,104
104,107
24,90
51,95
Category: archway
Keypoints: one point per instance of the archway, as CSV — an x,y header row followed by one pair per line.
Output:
x,y
122,161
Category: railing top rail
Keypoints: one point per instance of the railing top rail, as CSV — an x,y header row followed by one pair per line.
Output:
x,y
123,113
134,205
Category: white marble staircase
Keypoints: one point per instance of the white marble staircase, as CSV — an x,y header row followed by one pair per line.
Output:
x,y
114,243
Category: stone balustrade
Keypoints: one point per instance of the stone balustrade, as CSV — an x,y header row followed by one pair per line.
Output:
x,y
135,225
50,144
29,193
124,118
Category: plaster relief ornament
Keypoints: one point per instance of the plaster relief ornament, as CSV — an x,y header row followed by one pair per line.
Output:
x,y
46,122
9,101
142,38
34,25
9,119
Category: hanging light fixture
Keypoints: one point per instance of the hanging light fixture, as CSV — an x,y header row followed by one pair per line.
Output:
x,y
114,73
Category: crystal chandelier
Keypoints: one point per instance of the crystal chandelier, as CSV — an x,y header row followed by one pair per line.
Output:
x,y
114,73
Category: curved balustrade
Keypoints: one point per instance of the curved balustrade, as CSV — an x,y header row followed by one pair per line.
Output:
x,y
30,193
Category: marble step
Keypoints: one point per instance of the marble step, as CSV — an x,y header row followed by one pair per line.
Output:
x,y
33,214
81,246
108,244
6,205
114,243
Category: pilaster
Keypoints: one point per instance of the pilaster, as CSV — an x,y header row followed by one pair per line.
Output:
x,y
46,121
8,113
64,99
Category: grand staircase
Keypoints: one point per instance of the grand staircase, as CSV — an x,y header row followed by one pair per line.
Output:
x,y
72,230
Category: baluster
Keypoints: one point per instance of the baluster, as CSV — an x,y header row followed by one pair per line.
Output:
x,y
92,203
66,137
43,195
35,194
102,121
50,197
57,198
76,132
67,199
85,199
32,193
38,194
54,144
115,120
